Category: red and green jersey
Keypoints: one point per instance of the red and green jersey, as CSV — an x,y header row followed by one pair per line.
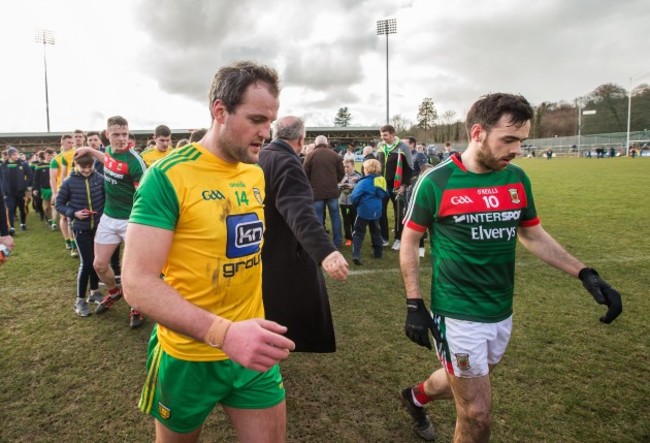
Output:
x,y
473,221
122,173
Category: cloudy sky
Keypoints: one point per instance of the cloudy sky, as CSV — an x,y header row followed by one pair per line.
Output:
x,y
152,60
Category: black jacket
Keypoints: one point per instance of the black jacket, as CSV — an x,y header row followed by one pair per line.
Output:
x,y
295,243
16,177
78,192
41,176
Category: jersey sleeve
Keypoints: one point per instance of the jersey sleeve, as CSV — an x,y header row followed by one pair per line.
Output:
x,y
422,210
137,168
155,202
54,164
529,213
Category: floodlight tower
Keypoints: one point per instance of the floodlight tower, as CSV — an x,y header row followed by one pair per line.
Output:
x,y
46,37
386,27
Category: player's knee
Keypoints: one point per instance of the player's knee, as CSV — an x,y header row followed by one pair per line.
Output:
x,y
100,266
476,418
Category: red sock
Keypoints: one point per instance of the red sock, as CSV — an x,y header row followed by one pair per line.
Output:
x,y
116,290
419,394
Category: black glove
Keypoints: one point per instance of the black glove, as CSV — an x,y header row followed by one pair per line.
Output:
x,y
603,293
419,323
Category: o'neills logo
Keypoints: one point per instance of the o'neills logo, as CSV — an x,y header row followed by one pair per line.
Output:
x,y
514,195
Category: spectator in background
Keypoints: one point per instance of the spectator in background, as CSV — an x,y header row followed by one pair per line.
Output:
x,y
348,213
349,153
368,154
397,163
16,183
449,151
81,199
367,198
324,169
295,245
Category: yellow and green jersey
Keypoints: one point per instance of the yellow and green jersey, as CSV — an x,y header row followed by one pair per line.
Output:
x,y
153,154
216,211
63,158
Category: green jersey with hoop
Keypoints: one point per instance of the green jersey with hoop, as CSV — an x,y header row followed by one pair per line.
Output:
x,y
473,221
122,173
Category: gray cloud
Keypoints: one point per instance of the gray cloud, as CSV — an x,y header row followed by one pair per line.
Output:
x,y
548,50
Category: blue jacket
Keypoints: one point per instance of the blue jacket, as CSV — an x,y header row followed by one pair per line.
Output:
x,y
368,195
78,192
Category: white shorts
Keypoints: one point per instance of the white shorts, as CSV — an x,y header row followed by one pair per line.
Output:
x,y
468,348
111,231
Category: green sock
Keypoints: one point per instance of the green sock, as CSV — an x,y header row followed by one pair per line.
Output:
x,y
73,244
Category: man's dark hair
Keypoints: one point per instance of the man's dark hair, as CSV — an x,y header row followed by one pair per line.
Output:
x,y
162,131
488,110
91,133
116,120
83,161
49,151
289,128
197,135
387,128
231,81
411,140
66,136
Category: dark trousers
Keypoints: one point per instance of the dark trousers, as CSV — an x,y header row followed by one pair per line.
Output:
x,y
360,233
37,203
115,260
14,201
349,214
86,246
399,209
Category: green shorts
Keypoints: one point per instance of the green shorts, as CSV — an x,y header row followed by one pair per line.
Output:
x,y
46,194
181,394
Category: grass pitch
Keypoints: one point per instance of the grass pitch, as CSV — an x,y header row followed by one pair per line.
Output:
x,y
565,377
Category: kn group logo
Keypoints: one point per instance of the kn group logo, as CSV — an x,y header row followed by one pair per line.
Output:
x,y
245,233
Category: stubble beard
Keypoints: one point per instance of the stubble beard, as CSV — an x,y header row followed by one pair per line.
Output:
x,y
487,160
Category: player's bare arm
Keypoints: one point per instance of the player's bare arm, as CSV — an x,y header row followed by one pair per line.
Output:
x,y
541,244
409,261
256,343
97,155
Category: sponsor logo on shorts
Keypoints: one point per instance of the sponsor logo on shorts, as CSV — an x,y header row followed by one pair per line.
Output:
x,y
164,411
462,361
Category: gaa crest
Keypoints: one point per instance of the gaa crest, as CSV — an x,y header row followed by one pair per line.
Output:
x,y
258,196
514,195
164,411
462,361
